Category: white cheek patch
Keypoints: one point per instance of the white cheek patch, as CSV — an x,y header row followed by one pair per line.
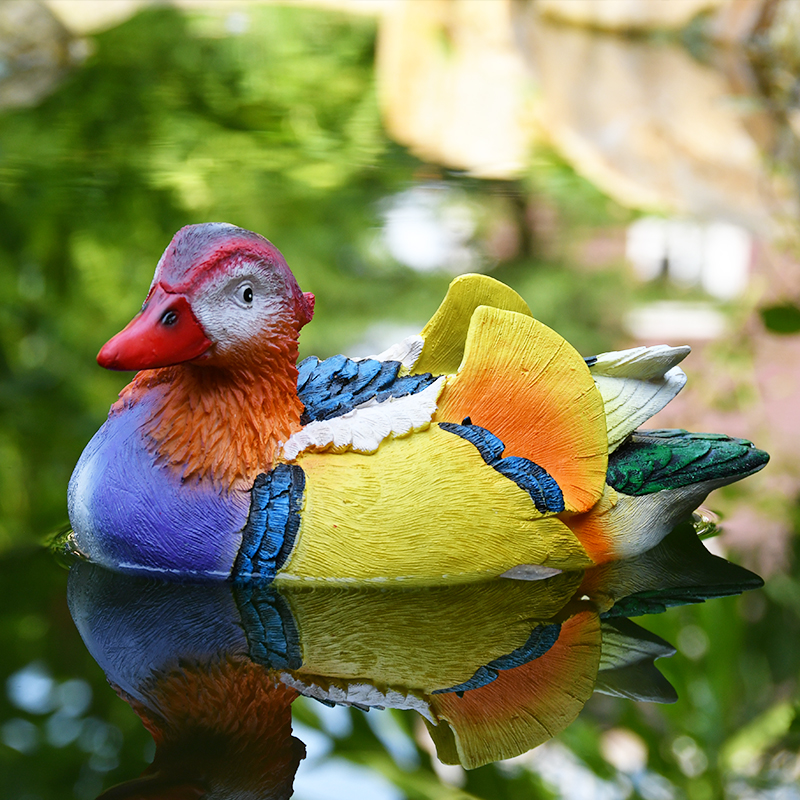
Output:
x,y
228,324
366,426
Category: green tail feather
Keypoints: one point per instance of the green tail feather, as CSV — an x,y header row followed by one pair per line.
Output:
x,y
651,461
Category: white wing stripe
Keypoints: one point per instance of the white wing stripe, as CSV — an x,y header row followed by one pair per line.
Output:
x,y
366,426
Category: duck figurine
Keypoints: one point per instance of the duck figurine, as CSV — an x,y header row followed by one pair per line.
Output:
x,y
486,446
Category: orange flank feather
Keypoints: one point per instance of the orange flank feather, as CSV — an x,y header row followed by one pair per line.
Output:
x,y
593,529
524,706
241,413
528,386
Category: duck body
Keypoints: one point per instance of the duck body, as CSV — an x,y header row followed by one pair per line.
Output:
x,y
486,446
384,514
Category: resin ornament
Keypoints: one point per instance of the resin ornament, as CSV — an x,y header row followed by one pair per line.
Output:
x,y
484,447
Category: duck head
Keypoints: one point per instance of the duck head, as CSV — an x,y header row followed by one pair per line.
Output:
x,y
218,290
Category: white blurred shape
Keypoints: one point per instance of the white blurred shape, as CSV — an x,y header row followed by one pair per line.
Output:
x,y
715,256
21,735
99,737
103,762
62,730
693,642
31,689
684,252
727,254
652,786
567,774
74,696
646,246
237,23
337,779
624,750
397,742
674,321
692,761
335,720
429,228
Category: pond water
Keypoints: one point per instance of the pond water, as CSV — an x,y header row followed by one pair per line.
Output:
x,y
213,670
668,215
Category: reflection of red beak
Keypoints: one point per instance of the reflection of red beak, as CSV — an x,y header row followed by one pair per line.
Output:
x,y
166,332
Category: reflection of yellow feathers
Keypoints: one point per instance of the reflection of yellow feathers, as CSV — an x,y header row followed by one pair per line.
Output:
x,y
424,639
523,707
414,649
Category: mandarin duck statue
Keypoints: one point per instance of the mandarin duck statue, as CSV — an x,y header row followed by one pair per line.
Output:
x,y
486,446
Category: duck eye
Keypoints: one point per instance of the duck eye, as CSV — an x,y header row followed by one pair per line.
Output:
x,y
244,294
169,318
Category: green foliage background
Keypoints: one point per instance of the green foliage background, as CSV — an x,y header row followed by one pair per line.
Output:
x,y
171,121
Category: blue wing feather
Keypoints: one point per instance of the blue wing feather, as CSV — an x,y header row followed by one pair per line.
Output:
x,y
338,384
535,480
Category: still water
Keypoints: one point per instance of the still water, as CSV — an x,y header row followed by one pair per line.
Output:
x,y
494,669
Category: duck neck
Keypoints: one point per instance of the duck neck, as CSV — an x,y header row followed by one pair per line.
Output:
x,y
223,423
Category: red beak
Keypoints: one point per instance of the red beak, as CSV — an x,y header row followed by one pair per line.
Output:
x,y
164,333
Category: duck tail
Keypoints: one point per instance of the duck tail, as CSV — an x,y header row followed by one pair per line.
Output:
x,y
655,480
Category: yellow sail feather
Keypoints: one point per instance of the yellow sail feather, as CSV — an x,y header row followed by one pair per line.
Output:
x,y
528,386
446,332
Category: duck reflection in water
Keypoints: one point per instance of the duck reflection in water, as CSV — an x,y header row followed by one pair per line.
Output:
x,y
494,668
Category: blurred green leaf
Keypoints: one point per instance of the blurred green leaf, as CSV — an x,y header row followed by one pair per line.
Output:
x,y
784,319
